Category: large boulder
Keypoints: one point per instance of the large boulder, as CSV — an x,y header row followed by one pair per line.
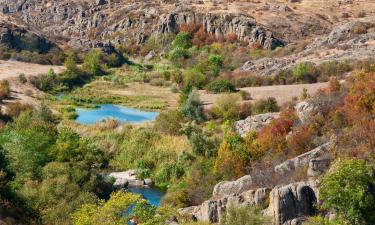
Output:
x,y
215,209
254,123
128,179
302,161
292,201
232,187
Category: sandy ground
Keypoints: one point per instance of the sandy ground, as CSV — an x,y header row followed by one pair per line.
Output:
x,y
26,93
282,93
10,69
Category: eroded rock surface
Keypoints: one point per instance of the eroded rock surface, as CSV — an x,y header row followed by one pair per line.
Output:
x,y
101,23
350,41
21,38
254,123
232,187
287,204
302,161
128,179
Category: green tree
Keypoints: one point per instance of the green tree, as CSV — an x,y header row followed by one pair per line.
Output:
x,y
92,62
347,188
193,108
70,63
216,62
112,212
182,40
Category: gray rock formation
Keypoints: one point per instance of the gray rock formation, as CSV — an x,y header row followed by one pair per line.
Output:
x,y
254,123
128,179
104,23
288,204
304,110
318,166
346,42
232,187
302,161
215,209
20,38
292,201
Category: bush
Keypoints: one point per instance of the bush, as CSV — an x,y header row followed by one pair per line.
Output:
x,y
348,189
265,105
158,82
4,90
245,95
174,88
300,140
319,220
220,86
169,122
305,72
178,55
182,41
193,108
43,82
92,62
233,157
226,107
245,215
216,62
22,78
16,108
194,78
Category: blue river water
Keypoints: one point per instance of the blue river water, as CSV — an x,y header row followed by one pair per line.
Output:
x,y
153,195
120,113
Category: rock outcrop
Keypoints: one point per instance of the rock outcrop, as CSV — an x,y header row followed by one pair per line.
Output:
x,y
232,187
128,179
302,161
20,38
215,209
103,23
304,110
254,123
348,41
286,204
290,202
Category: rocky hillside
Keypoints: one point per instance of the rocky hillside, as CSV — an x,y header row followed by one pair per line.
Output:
x,y
19,37
96,23
100,23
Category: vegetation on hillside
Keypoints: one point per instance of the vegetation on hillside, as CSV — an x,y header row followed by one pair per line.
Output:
x,y
52,170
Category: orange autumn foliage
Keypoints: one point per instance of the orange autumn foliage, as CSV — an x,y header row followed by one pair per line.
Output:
x,y
272,137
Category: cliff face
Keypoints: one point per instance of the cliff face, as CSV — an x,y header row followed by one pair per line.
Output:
x,y
20,38
100,23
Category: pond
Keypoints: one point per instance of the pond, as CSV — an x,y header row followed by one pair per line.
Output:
x,y
152,194
120,113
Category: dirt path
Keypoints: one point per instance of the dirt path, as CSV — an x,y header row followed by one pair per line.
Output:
x,y
282,93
